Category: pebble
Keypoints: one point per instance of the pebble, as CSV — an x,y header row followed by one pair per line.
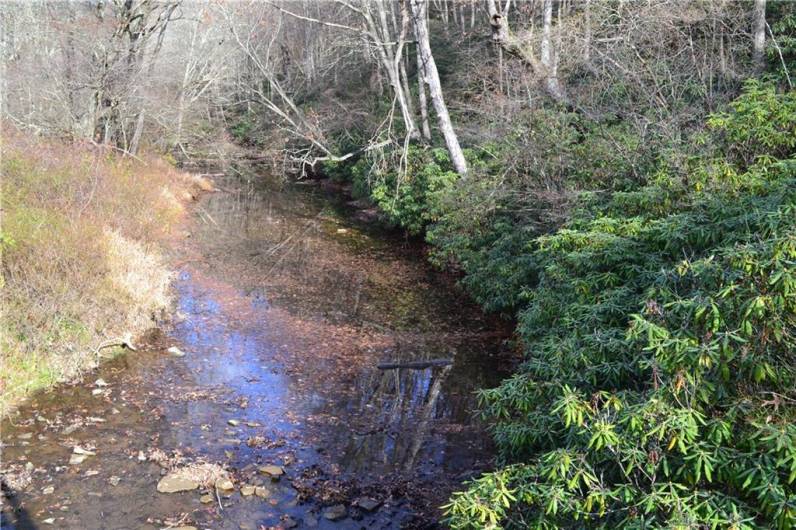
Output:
x,y
173,484
247,490
76,459
335,513
48,490
176,352
367,504
114,480
225,484
272,471
261,491
206,499
234,423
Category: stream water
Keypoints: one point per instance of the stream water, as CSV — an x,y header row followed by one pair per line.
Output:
x,y
285,306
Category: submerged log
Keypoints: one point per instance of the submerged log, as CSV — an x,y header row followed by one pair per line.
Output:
x,y
416,365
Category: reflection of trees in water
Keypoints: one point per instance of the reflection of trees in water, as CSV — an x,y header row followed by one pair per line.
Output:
x,y
402,404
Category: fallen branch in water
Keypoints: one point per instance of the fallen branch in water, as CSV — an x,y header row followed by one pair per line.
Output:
x,y
416,365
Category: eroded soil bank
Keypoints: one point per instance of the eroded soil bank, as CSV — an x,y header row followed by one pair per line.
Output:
x,y
285,308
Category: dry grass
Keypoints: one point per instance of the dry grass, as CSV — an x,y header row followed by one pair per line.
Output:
x,y
79,234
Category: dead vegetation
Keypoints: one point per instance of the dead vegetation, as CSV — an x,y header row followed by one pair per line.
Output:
x,y
80,236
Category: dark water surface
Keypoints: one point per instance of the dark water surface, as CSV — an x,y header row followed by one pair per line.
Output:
x,y
285,307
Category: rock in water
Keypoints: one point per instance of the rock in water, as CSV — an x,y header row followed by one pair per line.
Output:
x,y
206,499
176,352
172,484
272,471
76,459
335,513
367,504
247,490
225,485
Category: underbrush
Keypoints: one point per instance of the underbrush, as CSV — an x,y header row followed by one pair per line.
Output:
x,y
81,266
654,288
659,325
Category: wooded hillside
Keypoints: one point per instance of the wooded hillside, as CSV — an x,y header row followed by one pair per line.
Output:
x,y
619,176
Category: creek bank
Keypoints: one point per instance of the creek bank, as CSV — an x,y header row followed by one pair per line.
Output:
x,y
272,341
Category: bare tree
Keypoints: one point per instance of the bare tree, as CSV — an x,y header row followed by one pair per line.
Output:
x,y
759,35
431,77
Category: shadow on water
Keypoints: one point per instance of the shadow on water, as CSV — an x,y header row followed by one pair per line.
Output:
x,y
21,518
284,310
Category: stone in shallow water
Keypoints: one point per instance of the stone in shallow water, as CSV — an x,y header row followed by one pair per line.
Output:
x,y
176,352
206,499
76,459
272,471
368,504
335,513
173,484
262,491
247,490
225,484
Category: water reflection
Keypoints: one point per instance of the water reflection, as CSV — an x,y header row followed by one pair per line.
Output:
x,y
285,310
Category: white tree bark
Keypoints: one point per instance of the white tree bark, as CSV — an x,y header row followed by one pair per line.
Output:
x,y
431,75
421,96
759,35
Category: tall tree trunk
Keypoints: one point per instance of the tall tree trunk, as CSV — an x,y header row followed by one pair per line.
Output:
x,y
431,74
543,69
421,96
759,35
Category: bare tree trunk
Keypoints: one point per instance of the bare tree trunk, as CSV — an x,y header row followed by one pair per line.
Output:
x,y
391,59
548,55
587,36
544,70
759,35
139,129
421,94
431,75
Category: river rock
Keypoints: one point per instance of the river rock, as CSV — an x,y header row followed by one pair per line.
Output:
x,y
234,423
368,504
48,490
272,471
175,352
336,512
75,460
173,483
206,499
247,490
262,491
225,484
